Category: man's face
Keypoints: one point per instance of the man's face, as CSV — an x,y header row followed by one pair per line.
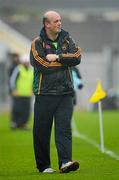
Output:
x,y
16,59
54,24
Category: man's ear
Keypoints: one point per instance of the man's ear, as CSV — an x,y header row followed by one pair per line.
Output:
x,y
47,24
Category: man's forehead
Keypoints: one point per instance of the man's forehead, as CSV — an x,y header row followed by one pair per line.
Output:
x,y
52,15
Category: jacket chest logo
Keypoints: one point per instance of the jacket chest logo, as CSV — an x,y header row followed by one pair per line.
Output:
x,y
47,46
64,47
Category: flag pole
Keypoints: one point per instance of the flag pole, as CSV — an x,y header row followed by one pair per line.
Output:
x,y
101,127
96,97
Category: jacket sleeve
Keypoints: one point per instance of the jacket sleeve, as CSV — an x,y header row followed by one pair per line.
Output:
x,y
38,60
73,56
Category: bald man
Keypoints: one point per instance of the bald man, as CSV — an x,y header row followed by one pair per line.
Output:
x,y
52,55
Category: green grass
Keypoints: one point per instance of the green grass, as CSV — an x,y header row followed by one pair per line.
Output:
x,y
17,157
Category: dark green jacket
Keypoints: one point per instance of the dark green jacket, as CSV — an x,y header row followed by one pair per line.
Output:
x,y
53,78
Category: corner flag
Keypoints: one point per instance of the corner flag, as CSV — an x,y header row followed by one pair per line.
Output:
x,y
98,94
96,97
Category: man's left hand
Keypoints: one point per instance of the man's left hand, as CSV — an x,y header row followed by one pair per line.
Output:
x,y
52,57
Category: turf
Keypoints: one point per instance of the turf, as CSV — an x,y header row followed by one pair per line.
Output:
x,y
17,156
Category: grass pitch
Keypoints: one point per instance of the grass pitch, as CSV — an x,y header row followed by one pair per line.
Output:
x,y
17,156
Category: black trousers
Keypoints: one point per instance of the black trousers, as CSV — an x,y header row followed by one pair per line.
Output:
x,y
20,110
46,109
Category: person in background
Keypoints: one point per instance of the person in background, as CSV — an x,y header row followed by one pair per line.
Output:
x,y
14,61
21,85
77,81
52,55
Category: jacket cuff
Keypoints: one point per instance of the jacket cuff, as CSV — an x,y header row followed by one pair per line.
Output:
x,y
59,57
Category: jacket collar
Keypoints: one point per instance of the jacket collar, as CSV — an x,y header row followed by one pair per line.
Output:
x,y
62,35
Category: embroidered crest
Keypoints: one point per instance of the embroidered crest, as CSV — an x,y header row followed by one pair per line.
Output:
x,y
64,46
47,46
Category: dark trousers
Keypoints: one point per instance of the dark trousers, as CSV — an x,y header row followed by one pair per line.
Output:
x,y
46,109
20,110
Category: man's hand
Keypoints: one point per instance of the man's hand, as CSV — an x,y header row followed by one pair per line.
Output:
x,y
52,57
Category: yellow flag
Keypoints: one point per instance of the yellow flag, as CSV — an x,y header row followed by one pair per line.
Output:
x,y
98,94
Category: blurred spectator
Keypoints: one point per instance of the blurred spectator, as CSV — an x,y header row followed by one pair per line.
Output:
x,y
21,81
14,61
110,102
77,80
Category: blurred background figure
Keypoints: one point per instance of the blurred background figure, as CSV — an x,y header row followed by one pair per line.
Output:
x,y
14,61
21,81
78,84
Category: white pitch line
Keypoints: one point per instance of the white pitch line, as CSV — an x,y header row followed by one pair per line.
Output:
x,y
77,134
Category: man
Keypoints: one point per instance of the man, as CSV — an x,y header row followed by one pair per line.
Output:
x,y
21,86
52,55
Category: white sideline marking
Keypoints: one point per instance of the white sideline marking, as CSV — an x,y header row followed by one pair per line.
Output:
x,y
77,134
